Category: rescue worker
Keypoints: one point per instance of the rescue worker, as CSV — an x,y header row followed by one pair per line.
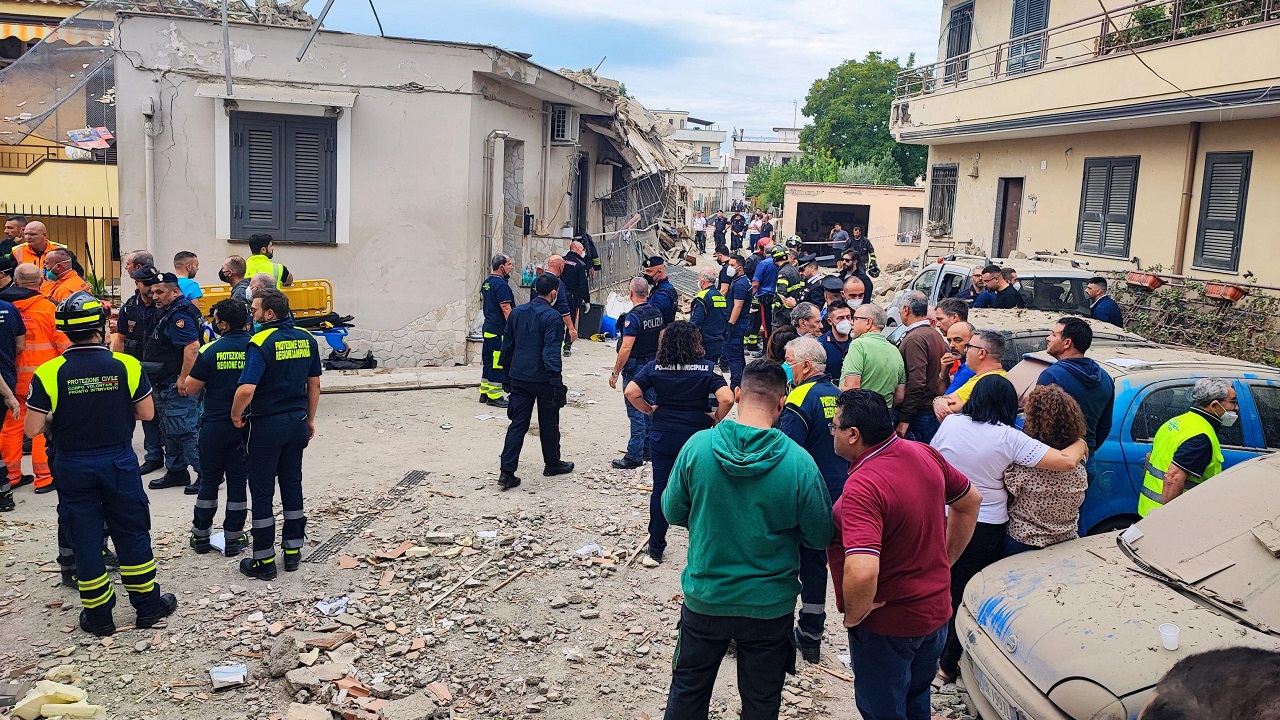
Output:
x,y
578,286
806,419
89,386
12,235
531,344
637,345
61,279
133,322
722,259
739,300
260,261
169,350
764,287
43,342
592,254
709,312
217,372
185,266
789,286
555,266
232,273
497,300
1186,450
864,255
277,399
662,294
35,244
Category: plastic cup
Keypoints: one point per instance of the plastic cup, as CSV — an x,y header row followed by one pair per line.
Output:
x,y
1169,636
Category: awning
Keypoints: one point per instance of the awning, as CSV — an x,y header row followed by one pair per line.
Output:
x,y
69,35
25,33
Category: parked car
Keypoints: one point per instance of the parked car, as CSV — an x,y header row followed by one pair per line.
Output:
x,y
1154,384
1056,287
1071,631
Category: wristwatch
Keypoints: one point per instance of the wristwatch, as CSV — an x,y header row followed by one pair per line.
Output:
x,y
614,374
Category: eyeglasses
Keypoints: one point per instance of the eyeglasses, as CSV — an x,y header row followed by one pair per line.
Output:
x,y
970,346
833,427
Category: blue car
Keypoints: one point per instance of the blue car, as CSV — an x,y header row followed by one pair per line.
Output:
x,y
1152,385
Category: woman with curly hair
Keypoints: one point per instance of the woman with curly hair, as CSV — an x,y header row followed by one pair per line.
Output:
x,y
689,396
1044,508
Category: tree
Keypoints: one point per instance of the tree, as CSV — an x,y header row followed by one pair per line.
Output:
x,y
622,89
884,170
850,110
766,180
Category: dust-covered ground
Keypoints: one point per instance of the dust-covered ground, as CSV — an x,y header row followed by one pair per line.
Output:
x,y
461,601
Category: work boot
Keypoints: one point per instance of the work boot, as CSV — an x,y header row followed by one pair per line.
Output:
x,y
168,603
498,402
100,630
567,351
812,654
199,544
6,501
626,463
192,489
44,489
484,399
23,480
109,558
68,570
173,478
292,559
150,466
261,569
508,480
654,555
560,468
235,545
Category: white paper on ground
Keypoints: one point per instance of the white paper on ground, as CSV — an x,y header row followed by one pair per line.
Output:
x,y
219,541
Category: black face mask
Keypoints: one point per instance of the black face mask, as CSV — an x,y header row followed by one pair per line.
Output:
x,y
224,277
650,279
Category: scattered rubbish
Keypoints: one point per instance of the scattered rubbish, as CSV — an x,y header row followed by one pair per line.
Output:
x,y
844,660
11,691
487,534
332,607
218,541
346,562
446,426
1131,535
485,417
1169,636
590,550
225,676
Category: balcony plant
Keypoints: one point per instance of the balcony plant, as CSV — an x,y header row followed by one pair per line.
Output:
x,y
1143,280
937,228
1225,291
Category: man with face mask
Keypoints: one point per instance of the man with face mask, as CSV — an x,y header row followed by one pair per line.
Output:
x,y
662,293
133,322
497,299
739,298
260,261
840,333
723,279
1186,450
185,266
61,281
811,405
169,351
232,273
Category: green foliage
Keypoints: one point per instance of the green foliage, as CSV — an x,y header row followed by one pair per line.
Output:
x,y
622,89
1151,25
881,171
766,179
850,110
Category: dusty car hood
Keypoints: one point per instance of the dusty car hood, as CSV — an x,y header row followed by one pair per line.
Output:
x,y
1076,610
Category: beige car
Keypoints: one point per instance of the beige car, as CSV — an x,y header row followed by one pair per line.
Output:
x,y
1072,631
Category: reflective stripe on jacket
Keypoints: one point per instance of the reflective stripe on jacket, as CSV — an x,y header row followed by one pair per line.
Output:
x,y
1168,439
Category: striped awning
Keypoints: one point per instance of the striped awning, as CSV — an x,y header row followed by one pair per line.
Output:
x,y
69,35
25,33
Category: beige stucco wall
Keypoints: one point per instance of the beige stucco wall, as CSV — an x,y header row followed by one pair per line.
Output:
x,y
884,203
1049,222
411,269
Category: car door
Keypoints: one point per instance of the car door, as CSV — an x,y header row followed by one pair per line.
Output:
x,y
952,282
1263,403
926,282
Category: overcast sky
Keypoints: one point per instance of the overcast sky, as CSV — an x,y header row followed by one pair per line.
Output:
x,y
739,64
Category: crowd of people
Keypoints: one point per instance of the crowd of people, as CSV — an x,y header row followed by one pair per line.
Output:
x,y
83,381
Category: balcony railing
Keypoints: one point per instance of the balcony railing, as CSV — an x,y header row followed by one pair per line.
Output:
x,y
1140,25
21,162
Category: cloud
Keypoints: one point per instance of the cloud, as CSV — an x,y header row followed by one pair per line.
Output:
x,y
740,64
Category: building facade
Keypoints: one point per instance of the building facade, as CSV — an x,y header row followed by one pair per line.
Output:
x,y
747,151
891,217
1124,135
705,170
393,168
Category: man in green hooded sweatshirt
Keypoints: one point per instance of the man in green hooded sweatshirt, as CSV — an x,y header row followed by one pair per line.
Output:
x,y
750,498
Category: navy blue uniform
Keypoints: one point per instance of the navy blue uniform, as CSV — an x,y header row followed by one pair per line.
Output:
x,y
575,283
644,323
493,294
836,350
174,328
813,292
663,296
89,393
133,322
531,347
810,408
219,366
710,312
280,361
734,352
683,394
11,328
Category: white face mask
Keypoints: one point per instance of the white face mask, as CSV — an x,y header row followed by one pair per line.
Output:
x,y
731,271
248,293
844,327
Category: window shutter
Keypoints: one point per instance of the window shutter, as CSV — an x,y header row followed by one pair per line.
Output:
x,y
1115,236
255,173
1092,206
284,177
1222,203
1106,205
959,37
311,166
1029,16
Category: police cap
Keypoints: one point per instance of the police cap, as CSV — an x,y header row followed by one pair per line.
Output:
x,y
807,259
653,261
167,277
146,275
832,284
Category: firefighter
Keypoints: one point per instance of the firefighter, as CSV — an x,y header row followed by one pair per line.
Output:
x,y
497,298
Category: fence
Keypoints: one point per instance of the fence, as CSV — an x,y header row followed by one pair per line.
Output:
x,y
92,233
631,217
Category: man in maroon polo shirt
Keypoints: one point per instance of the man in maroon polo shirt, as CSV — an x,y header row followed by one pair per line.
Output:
x,y
891,557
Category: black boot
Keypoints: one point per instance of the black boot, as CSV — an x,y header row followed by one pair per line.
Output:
x,y
200,544
235,544
261,569
6,501
100,630
150,466
173,478
498,402
109,558
68,570
168,603
508,480
560,468
292,559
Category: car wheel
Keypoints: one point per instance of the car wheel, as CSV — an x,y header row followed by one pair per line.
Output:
x,y
1119,522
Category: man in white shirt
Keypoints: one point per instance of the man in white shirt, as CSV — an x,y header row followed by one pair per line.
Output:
x,y
700,231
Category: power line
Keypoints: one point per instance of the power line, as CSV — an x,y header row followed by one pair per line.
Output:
x,y
376,18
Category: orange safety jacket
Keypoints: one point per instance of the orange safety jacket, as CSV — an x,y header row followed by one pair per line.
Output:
x,y
44,341
24,254
64,287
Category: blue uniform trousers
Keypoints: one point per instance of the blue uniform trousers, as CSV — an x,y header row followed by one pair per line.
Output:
x,y
520,412
638,442
103,486
492,374
735,357
222,454
274,453
152,441
714,350
179,422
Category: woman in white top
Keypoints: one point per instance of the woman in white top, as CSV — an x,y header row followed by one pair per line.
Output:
x,y
982,442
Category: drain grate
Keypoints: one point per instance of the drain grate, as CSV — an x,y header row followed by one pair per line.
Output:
x,y
330,547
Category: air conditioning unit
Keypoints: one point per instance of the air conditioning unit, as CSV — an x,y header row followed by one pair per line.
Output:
x,y
564,125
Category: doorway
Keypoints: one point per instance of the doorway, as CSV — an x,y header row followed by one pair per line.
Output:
x,y
1008,216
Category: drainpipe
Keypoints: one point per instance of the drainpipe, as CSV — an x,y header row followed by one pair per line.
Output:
x,y
1184,208
149,153
546,165
489,198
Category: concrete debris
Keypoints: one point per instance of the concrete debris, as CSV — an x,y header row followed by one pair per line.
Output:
x,y
282,657
299,711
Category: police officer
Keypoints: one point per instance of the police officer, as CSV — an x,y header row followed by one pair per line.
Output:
x,y
663,294
710,314
832,290
811,291
217,372
1186,450
497,298
839,321
806,418
88,400
531,354
637,345
133,322
577,284
277,398
679,382
169,349
739,300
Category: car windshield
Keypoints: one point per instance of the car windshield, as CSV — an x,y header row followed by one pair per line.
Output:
x,y
1204,544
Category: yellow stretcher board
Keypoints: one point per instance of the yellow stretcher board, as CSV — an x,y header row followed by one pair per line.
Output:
x,y
307,298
